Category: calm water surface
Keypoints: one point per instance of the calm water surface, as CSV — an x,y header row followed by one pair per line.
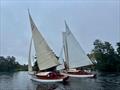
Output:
x,y
21,81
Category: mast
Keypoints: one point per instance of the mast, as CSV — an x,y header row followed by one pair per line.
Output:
x,y
45,56
66,61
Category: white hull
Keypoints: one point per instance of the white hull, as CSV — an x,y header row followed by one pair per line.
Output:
x,y
47,81
78,76
44,74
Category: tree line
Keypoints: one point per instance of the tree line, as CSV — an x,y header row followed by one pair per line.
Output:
x,y
105,57
9,63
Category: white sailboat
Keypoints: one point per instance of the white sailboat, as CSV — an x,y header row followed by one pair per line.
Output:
x,y
46,59
74,56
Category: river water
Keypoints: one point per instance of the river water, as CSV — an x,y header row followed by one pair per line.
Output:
x,y
21,81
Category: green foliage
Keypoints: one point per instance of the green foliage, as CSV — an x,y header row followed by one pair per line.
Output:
x,y
9,64
107,58
118,48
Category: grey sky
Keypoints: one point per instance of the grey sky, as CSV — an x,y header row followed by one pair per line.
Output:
x,y
87,19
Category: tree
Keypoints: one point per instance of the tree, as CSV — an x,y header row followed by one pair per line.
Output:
x,y
9,64
118,56
118,48
107,58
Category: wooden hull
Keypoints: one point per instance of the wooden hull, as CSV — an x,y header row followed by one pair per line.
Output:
x,y
49,79
78,74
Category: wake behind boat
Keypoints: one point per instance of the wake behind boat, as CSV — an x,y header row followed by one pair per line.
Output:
x,y
74,56
46,59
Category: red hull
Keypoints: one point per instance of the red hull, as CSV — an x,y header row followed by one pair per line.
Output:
x,y
52,76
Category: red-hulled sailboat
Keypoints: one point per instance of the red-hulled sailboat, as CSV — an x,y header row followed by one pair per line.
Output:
x,y
74,56
46,59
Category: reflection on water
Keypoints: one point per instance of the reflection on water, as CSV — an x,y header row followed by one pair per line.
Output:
x,y
46,87
21,81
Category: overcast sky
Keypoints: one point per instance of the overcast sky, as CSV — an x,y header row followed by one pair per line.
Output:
x,y
87,19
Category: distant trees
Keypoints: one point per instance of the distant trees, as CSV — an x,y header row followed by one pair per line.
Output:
x,y
104,56
118,49
9,64
108,59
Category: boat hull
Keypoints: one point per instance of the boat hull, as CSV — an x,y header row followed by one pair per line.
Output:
x,y
78,75
48,81
45,78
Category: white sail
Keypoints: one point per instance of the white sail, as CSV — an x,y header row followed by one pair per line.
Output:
x,y
45,56
75,54
65,46
29,58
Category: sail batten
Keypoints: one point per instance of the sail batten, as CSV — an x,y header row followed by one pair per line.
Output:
x,y
76,55
45,56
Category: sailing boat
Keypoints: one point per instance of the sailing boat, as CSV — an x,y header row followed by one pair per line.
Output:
x,y
74,56
46,59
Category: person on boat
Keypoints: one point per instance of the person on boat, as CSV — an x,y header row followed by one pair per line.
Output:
x,y
52,75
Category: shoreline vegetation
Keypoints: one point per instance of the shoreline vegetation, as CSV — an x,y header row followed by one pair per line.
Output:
x,y
107,58
104,57
9,64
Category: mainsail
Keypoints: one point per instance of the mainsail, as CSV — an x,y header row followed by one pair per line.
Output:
x,y
29,58
75,56
45,56
65,46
